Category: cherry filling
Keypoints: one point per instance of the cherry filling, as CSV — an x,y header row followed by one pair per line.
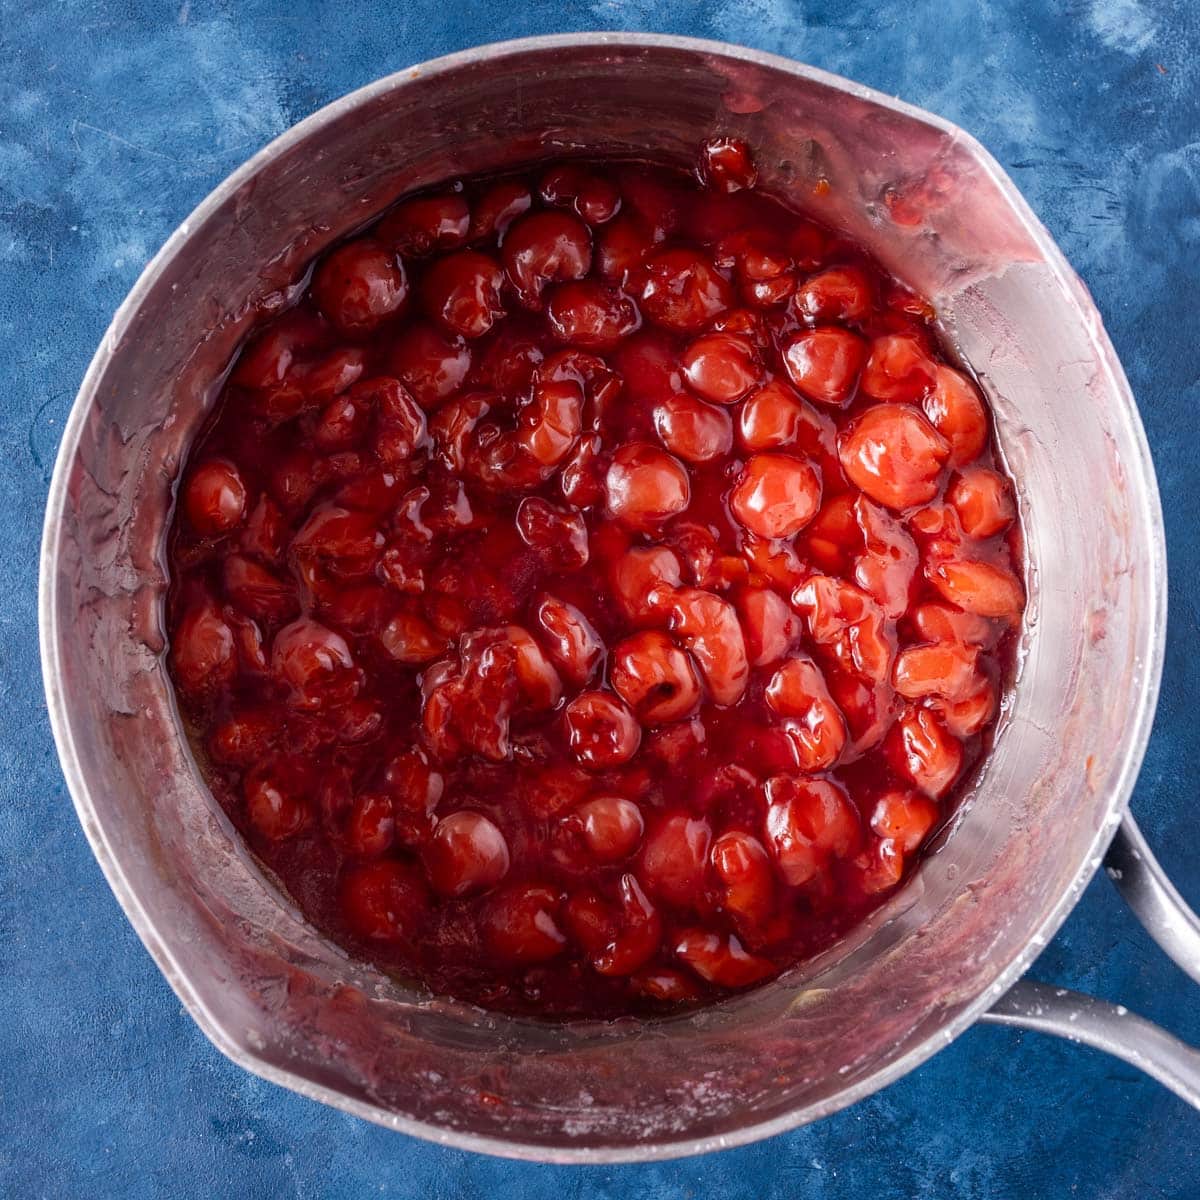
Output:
x,y
590,597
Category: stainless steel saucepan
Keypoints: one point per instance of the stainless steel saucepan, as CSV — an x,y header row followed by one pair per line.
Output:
x,y
950,948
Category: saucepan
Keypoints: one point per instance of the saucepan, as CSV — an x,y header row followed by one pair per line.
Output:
x,y
950,947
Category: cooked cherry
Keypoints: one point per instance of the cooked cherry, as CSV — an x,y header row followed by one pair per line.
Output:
x,y
467,853
692,430
839,294
981,588
601,731
894,455
682,290
898,369
591,314
520,924
462,292
203,652
545,247
516,671
809,822
983,500
431,366
214,497
655,678
275,802
776,495
383,901
956,410
709,628
725,163
645,486
825,363
569,639
721,367
611,827
426,224
359,285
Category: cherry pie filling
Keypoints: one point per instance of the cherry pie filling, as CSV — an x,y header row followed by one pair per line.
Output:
x,y
593,593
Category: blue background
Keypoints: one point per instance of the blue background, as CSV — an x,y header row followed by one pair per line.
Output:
x,y
115,120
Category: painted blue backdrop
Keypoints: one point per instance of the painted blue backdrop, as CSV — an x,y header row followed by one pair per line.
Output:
x,y
115,120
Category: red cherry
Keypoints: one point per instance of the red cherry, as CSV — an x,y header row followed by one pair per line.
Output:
x,y
410,639
744,869
956,410
776,495
545,247
904,817
589,313
894,455
674,859
645,486
315,663
655,678
721,959
384,901
359,285
246,737
939,669
601,731
594,198
981,588
808,822
692,430
371,826
431,366
721,367
496,209
520,924
621,247
925,752
645,580
560,534
817,729
839,294
825,363
569,638
983,501
683,290
203,652
769,624
214,497
611,827
466,854
726,164
425,224
898,369
275,802
258,592
708,627
462,293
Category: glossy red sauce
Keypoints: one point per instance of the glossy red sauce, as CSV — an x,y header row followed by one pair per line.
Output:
x,y
590,596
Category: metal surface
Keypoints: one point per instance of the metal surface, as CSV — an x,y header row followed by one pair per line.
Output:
x,y
1108,1027
1131,865
277,998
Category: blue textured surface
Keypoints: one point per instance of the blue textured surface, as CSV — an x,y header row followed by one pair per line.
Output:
x,y
115,120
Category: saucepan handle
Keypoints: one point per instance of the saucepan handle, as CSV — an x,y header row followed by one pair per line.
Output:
x,y
1111,1027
